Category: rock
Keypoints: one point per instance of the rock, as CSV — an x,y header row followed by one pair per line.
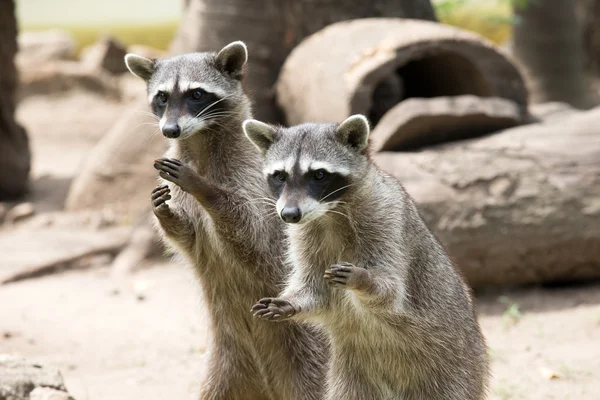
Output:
x,y
520,206
107,54
58,77
418,122
19,377
432,60
43,46
49,394
19,212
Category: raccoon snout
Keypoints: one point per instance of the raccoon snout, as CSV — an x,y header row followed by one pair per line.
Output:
x,y
171,131
291,215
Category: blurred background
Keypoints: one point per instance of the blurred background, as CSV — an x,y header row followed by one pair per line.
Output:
x,y
486,110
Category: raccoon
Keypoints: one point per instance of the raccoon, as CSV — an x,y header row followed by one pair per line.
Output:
x,y
400,318
211,206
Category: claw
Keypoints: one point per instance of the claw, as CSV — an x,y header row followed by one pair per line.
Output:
x,y
159,188
258,306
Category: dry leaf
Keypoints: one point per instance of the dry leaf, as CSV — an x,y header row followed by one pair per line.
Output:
x,y
549,374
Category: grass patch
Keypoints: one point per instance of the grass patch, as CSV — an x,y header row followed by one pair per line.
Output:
x,y
491,19
157,35
512,315
506,390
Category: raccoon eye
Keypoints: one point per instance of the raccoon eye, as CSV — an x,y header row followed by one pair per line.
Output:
x,y
319,174
197,94
280,176
162,97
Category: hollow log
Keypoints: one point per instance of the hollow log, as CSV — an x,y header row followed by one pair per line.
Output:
x,y
517,207
343,69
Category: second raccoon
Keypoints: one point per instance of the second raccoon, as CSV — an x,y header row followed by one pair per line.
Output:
x,y
366,267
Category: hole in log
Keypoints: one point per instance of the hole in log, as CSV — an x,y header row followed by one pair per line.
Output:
x,y
432,75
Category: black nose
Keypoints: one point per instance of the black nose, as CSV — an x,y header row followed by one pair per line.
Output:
x,y
171,131
291,215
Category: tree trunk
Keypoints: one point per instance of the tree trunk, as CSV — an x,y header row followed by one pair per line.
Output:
x,y
517,207
272,28
15,158
589,17
547,43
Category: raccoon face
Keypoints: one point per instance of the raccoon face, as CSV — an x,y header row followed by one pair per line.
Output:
x,y
191,92
311,167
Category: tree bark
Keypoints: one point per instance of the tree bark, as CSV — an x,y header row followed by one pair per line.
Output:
x,y
547,43
589,18
518,207
272,28
15,158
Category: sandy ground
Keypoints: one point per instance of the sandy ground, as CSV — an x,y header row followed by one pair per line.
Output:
x,y
145,338
111,345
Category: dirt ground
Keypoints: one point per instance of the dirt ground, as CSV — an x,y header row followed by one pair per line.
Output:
x,y
145,337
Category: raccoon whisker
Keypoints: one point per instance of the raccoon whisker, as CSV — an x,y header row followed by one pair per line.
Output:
x,y
224,128
153,133
217,114
147,123
214,117
264,198
147,113
257,202
337,190
337,212
212,104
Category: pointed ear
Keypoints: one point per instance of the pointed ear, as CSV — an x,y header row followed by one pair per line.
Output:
x,y
140,66
354,132
260,134
232,58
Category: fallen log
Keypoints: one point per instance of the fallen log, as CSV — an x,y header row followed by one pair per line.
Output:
x,y
517,207
367,65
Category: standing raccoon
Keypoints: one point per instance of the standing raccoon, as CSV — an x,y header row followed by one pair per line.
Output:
x,y
211,207
400,318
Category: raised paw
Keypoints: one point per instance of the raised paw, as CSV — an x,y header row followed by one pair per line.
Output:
x,y
346,275
273,309
159,197
177,172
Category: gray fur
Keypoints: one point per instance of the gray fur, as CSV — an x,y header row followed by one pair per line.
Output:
x,y
211,207
400,318
141,67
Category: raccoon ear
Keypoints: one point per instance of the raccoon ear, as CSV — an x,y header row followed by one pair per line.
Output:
x,y
354,132
231,59
260,134
140,66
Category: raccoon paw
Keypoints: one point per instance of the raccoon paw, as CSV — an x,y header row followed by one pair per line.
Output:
x,y
177,172
273,309
345,275
159,197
